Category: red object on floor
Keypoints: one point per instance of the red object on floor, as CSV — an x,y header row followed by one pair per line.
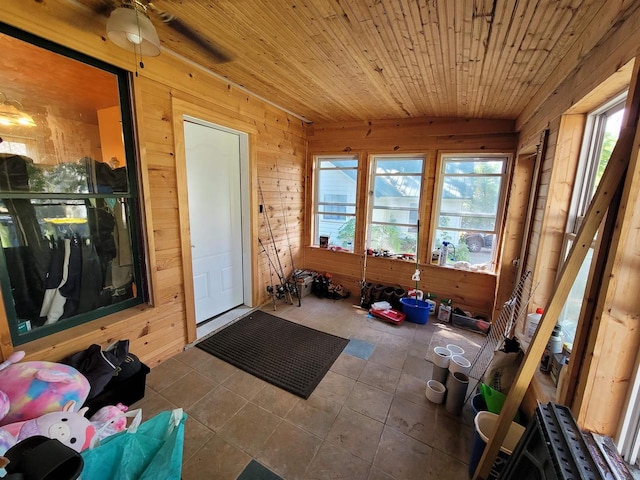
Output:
x,y
390,315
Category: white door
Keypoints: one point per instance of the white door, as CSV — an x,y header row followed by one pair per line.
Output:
x,y
215,217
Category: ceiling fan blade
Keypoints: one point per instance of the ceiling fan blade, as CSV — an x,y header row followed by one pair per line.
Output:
x,y
219,54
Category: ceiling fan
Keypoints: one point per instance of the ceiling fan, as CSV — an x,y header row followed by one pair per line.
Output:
x,y
129,26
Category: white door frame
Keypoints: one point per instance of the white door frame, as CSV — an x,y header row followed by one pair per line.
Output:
x,y
207,114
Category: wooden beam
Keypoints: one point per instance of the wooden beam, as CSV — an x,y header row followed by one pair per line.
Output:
x,y
611,182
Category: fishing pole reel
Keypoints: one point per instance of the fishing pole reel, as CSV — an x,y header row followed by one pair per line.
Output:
x,y
278,291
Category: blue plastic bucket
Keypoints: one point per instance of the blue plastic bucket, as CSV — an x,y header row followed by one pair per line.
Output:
x,y
417,311
484,425
478,404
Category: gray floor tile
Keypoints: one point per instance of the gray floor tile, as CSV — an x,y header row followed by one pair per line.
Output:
x,y
403,457
340,431
356,433
217,459
333,462
289,451
370,401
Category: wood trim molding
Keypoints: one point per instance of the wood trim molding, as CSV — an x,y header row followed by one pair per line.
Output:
x,y
182,105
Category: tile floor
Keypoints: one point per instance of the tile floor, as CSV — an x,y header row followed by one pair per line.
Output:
x,y
367,419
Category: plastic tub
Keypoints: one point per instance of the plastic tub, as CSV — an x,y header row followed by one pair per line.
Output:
x,y
435,391
417,311
484,425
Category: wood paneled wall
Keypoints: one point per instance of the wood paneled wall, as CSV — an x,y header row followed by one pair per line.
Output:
x,y
591,73
473,291
159,331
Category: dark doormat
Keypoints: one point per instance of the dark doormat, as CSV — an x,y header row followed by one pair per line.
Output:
x,y
288,355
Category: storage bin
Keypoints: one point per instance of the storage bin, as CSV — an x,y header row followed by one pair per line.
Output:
x,y
417,311
127,391
469,323
305,285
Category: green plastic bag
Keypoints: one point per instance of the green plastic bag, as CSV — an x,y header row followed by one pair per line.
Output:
x,y
148,451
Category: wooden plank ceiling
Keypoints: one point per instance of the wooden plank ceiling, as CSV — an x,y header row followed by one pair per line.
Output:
x,y
346,60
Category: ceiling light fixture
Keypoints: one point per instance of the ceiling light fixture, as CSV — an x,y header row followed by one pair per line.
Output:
x,y
12,114
129,27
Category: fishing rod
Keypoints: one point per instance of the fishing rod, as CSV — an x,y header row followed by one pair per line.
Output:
x,y
275,247
270,288
286,231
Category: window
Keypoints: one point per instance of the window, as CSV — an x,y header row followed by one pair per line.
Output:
x,y
68,203
396,182
335,203
469,205
601,135
336,180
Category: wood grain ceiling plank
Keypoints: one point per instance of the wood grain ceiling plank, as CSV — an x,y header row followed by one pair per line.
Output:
x,y
292,68
488,34
384,69
463,26
502,41
390,59
532,59
412,63
529,32
365,59
432,38
474,32
375,87
419,15
351,33
578,25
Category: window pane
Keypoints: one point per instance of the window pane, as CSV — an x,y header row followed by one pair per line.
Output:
x,y
67,212
338,163
394,239
394,216
471,166
325,208
609,139
396,189
571,312
394,206
87,175
335,206
398,165
475,222
472,247
66,257
469,206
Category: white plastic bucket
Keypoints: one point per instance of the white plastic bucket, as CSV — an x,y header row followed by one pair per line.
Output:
x,y
484,424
